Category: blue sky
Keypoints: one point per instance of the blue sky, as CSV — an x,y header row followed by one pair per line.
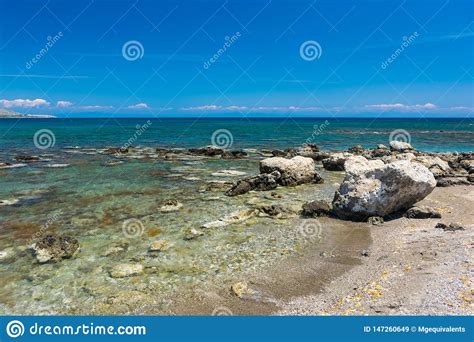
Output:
x,y
379,58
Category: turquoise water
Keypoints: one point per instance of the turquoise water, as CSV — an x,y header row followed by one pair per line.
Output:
x,y
76,191
425,134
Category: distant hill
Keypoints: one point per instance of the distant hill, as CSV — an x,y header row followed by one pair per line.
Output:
x,y
5,113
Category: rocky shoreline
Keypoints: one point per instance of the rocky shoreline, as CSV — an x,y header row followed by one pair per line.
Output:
x,y
380,185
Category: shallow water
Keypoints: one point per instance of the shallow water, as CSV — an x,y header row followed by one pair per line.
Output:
x,y
91,202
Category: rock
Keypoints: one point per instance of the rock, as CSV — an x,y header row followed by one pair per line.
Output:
x,y
261,182
467,164
316,208
379,190
171,205
450,227
233,154
321,155
113,162
116,248
445,182
273,210
192,234
402,156
52,247
7,255
336,161
242,290
126,270
358,149
361,164
294,171
380,152
375,220
422,212
308,150
159,245
228,173
435,164
208,151
279,153
400,146
27,158
365,253
235,217
11,201
11,166
382,147
117,150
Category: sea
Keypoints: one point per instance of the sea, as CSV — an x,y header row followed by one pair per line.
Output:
x,y
112,204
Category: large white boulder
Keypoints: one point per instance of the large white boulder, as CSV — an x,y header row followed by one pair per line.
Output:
x,y
372,188
297,170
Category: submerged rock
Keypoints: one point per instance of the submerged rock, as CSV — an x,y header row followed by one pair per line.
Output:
x,y
209,151
372,189
422,212
449,227
316,209
171,205
192,233
126,270
52,247
235,217
277,211
242,290
159,246
294,171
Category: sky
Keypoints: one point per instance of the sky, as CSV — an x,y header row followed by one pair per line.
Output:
x,y
237,58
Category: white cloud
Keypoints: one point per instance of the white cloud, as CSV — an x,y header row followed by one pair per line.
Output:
x,y
23,103
63,104
401,107
95,107
139,106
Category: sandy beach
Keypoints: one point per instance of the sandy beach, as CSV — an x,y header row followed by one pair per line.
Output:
x,y
404,267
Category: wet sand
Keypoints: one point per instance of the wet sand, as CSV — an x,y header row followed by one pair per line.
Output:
x,y
408,268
